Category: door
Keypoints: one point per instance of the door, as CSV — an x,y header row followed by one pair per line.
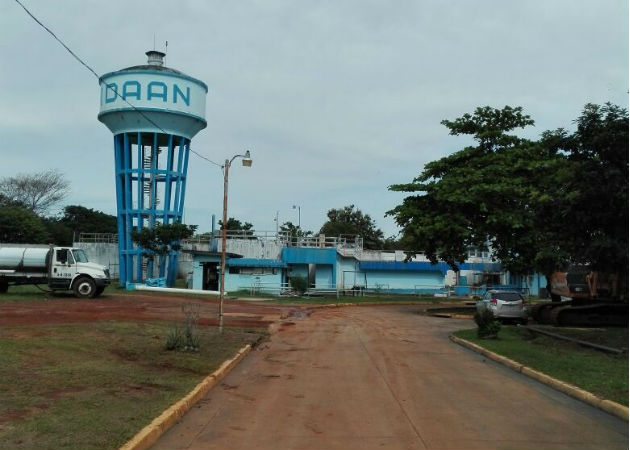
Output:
x,y
210,277
63,269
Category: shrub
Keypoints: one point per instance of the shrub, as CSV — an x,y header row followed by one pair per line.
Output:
x,y
174,339
487,326
186,339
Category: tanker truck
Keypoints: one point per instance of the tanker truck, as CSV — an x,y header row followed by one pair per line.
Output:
x,y
60,268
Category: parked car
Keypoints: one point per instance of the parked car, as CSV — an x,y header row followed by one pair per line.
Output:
x,y
508,305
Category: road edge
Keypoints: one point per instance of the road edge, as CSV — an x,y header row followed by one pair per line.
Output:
x,y
149,435
608,406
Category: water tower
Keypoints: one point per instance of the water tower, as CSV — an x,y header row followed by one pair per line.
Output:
x,y
153,112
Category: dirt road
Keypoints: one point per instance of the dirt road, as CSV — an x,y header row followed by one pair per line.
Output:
x,y
384,377
59,309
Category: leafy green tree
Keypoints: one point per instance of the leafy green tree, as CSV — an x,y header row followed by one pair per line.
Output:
x,y
19,225
538,204
294,231
352,222
245,228
80,219
161,239
59,233
487,194
595,180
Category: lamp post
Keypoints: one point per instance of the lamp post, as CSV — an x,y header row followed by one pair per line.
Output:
x,y
247,162
299,214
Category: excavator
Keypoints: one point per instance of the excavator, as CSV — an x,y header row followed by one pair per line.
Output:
x,y
584,298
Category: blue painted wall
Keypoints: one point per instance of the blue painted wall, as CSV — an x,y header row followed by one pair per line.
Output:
x,y
294,255
235,282
324,276
407,281
348,274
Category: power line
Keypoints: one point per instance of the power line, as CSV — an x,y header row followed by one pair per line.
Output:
x,y
98,78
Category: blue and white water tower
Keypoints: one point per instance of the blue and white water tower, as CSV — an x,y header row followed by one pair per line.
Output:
x,y
153,112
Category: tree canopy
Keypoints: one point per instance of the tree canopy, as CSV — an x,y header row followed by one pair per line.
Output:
x,y
294,231
87,220
19,225
236,225
537,205
351,221
161,239
37,192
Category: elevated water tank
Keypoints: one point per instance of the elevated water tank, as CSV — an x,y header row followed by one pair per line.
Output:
x,y
153,111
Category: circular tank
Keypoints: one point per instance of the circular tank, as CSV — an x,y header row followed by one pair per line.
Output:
x,y
153,98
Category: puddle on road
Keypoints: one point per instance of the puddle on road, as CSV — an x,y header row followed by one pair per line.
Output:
x,y
299,313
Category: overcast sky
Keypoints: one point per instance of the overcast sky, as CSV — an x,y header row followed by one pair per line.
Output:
x,y
336,100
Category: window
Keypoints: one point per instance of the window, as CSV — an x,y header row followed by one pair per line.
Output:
x,y
62,256
80,256
253,270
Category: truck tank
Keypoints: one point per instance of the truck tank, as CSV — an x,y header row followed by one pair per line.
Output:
x,y
23,259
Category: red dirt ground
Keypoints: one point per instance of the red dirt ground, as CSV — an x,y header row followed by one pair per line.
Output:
x,y
124,306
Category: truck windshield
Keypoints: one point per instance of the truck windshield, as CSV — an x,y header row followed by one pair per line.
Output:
x,y
80,255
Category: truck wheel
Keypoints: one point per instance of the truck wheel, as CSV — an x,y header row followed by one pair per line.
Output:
x,y
99,291
84,287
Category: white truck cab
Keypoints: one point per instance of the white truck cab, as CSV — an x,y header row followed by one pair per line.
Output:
x,y
70,269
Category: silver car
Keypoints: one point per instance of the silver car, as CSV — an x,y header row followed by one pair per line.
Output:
x,y
508,305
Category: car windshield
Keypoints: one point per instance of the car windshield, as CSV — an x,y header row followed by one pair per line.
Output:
x,y
80,255
507,296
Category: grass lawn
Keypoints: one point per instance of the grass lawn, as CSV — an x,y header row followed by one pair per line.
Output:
x,y
94,385
602,374
31,293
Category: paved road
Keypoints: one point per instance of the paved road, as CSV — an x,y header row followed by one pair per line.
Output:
x,y
384,377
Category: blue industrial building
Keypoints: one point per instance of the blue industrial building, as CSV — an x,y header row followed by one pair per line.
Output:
x,y
265,264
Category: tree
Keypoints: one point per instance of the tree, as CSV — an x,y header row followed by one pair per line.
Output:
x,y
348,221
236,225
539,205
294,232
80,219
483,195
37,192
161,239
20,226
596,178
59,233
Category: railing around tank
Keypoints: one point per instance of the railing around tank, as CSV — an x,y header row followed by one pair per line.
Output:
x,y
107,238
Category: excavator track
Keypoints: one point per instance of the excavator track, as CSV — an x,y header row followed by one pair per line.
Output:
x,y
541,312
603,314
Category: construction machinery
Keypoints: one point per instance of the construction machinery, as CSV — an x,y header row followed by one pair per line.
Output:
x,y
584,298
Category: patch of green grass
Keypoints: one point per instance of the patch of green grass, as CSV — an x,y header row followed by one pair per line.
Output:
x,y
602,374
30,293
95,385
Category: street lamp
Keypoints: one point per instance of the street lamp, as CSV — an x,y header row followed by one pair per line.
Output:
x,y
247,162
299,221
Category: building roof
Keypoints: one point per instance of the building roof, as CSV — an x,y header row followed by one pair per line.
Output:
x,y
209,253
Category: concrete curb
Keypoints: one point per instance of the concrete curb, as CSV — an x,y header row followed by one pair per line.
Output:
x,y
609,406
146,437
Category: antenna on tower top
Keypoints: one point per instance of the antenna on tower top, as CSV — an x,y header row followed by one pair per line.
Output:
x,y
153,41
166,47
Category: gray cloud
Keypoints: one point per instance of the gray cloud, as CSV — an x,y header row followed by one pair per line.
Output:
x,y
336,100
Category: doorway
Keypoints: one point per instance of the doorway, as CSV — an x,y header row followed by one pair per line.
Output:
x,y
210,276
